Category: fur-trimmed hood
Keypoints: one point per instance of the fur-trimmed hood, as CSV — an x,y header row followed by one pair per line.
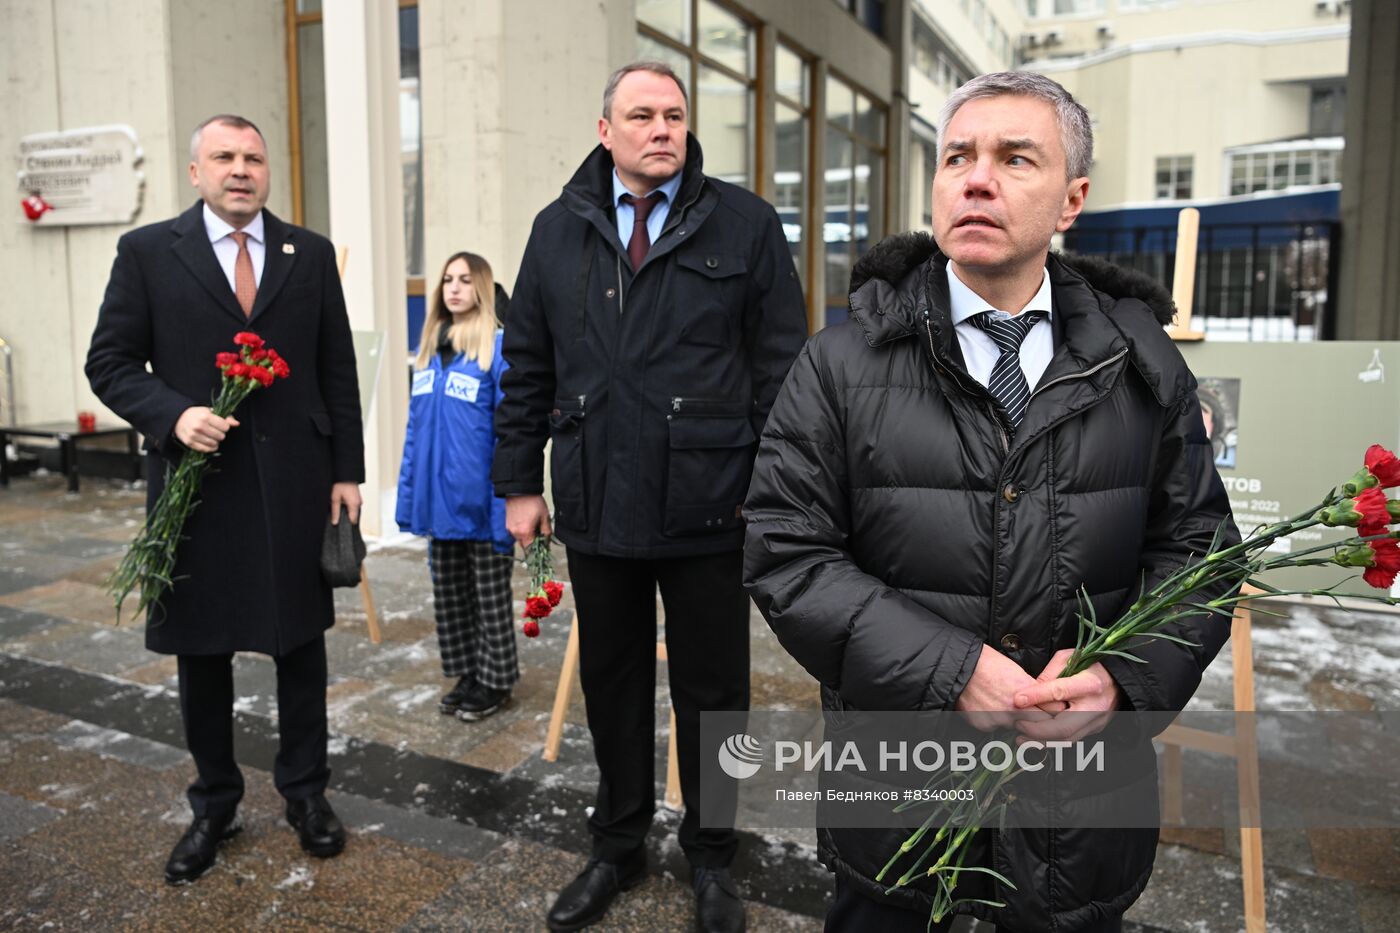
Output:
x,y
895,256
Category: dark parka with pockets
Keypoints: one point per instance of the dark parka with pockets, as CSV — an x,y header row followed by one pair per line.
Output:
x,y
894,529
654,385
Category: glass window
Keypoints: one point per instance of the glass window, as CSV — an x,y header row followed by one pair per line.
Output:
x,y
791,75
1327,167
1239,174
1173,178
651,50
725,38
668,17
722,109
790,179
1258,172
308,6
837,229
311,96
411,139
869,120
1302,168
840,103
1280,173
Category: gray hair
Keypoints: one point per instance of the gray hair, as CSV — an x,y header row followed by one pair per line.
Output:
x,y
655,67
1076,134
225,119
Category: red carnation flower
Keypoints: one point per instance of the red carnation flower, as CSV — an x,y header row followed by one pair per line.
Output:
x,y
1371,505
223,360
531,628
247,338
262,376
237,370
537,607
553,591
280,369
1387,555
259,355
1384,465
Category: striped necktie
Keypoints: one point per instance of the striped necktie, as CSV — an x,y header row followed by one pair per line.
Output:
x,y
1007,383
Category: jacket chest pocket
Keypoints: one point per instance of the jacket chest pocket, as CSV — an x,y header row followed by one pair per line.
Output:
x,y
709,463
709,286
568,466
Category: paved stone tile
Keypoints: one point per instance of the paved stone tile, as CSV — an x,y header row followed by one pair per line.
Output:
x,y
40,893
109,743
102,649
81,602
1370,856
19,817
446,837
19,624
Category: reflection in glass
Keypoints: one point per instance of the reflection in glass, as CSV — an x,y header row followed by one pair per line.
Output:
x,y
870,120
790,180
308,6
311,81
791,81
648,49
668,17
869,174
840,102
722,110
411,140
725,38
839,222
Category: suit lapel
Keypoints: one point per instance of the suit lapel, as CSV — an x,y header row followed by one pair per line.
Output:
x,y
193,249
278,258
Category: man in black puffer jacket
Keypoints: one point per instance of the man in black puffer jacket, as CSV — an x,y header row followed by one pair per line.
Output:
x,y
917,539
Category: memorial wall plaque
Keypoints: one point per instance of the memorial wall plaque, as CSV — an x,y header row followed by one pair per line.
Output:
x,y
80,176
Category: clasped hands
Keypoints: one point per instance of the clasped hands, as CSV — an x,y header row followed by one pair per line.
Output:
x,y
1000,694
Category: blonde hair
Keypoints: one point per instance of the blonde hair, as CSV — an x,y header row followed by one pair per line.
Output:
x,y
475,334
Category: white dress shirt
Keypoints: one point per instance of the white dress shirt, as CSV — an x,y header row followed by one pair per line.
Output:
x,y
656,220
979,351
226,247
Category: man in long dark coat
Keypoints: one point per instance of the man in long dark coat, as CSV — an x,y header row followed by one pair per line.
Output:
x,y
248,575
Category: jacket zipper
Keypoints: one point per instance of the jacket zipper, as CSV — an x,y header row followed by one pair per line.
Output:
x,y
991,406
1080,375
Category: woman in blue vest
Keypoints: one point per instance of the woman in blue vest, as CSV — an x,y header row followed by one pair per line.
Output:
x,y
445,488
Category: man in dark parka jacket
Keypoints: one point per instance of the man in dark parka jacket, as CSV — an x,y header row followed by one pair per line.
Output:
x,y
656,313
247,576
916,547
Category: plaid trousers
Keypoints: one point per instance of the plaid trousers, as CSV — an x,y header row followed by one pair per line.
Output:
x,y
472,605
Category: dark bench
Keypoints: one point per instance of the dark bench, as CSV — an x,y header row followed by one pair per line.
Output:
x,y
68,436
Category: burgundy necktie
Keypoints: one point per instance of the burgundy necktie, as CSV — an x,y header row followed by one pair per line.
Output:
x,y
641,241
245,285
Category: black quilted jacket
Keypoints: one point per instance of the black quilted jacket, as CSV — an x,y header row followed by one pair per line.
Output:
x,y
893,529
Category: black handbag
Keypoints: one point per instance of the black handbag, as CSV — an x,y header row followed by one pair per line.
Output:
x,y
342,549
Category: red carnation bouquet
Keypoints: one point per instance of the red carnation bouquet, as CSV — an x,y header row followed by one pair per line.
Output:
x,y
150,560
545,592
938,849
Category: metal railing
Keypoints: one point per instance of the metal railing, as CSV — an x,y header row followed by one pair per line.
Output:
x,y
1266,281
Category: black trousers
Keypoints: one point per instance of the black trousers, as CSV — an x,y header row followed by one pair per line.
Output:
x,y
206,705
707,646
853,911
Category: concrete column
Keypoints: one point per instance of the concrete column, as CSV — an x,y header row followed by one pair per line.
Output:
x,y
1368,306
366,204
898,28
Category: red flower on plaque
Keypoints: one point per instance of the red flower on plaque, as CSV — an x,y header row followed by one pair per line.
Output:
x,y
35,207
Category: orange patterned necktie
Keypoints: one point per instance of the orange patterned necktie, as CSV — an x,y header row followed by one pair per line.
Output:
x,y
245,286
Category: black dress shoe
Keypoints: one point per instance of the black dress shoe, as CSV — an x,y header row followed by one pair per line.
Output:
x,y
718,908
318,828
451,701
194,854
587,897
